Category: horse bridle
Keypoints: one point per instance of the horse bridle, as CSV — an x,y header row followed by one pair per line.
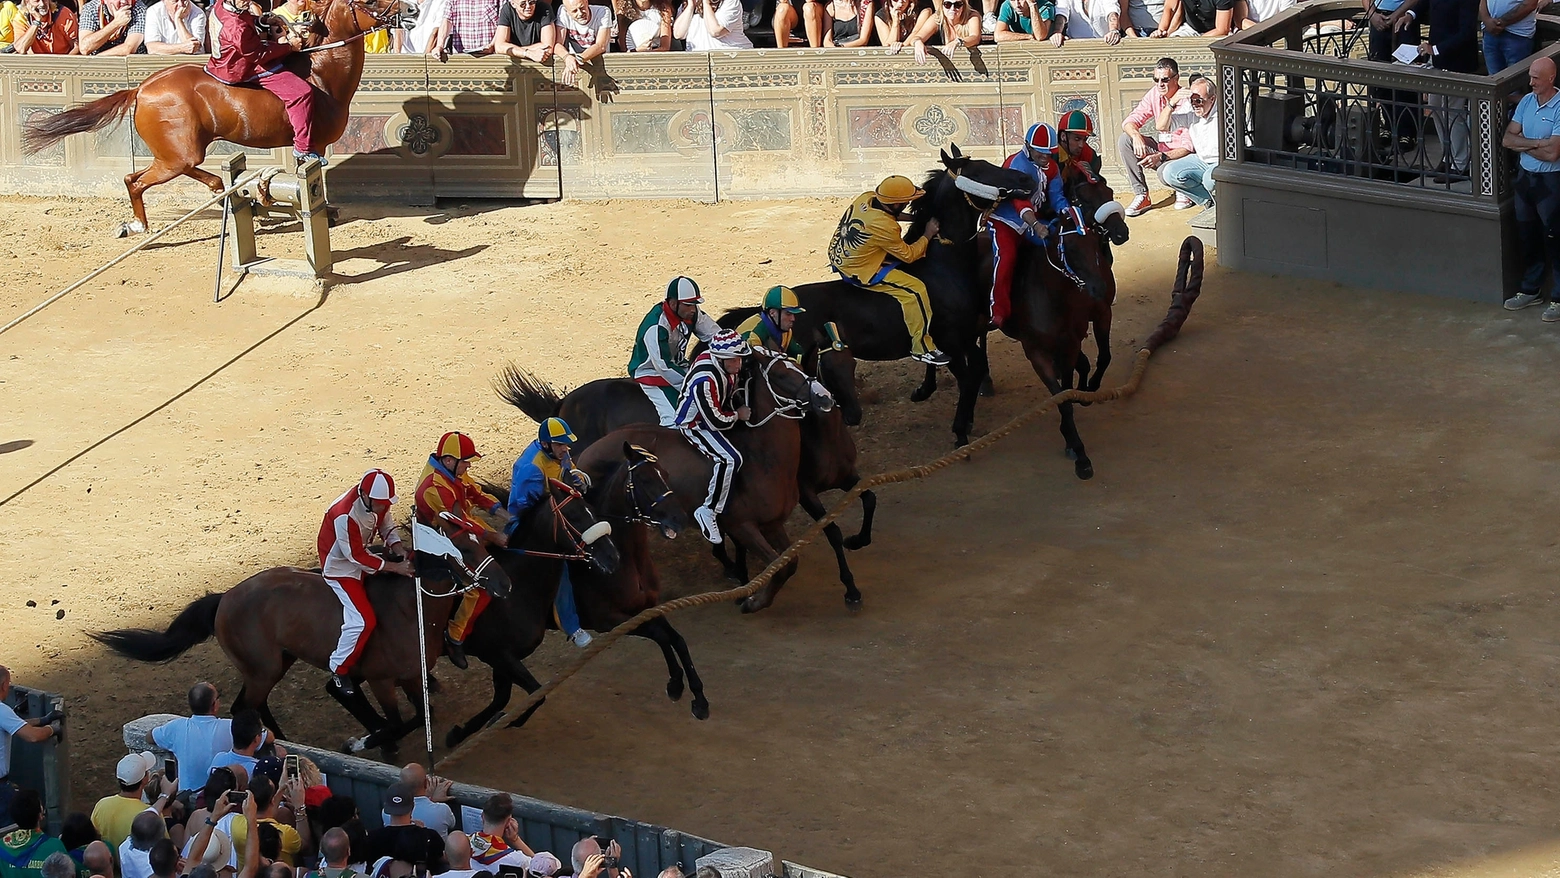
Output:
x,y
639,514
985,191
786,407
580,539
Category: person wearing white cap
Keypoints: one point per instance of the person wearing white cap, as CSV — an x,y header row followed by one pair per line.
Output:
x,y
544,865
112,815
659,363
350,524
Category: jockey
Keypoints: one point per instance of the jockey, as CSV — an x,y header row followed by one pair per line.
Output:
x,y
248,58
1016,217
660,358
867,250
703,415
354,518
446,486
548,458
1076,128
770,329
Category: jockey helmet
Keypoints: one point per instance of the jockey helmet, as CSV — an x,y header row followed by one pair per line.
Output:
x,y
1041,138
458,446
898,190
1076,122
683,290
556,430
784,298
377,485
727,345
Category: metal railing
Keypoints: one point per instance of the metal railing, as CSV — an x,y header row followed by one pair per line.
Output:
x,y
1298,93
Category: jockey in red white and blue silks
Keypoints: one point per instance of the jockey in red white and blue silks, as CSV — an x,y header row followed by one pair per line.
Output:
x,y
704,413
351,522
1016,218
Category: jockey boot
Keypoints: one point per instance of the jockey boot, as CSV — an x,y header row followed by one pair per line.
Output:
x,y
705,517
456,652
344,683
581,638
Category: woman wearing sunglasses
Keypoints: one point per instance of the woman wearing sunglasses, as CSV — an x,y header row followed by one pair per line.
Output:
x,y
954,23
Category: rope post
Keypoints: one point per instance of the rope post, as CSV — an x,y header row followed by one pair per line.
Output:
x,y
422,641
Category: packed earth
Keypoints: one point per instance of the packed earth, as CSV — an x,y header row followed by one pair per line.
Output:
x,y
1300,623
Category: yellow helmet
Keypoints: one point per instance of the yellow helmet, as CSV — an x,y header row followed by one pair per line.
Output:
x,y
898,190
458,446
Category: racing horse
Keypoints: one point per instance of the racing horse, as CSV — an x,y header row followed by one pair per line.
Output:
x,y
1089,249
180,110
951,270
272,619
765,490
628,489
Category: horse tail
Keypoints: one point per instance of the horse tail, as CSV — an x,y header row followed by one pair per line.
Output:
x,y
1188,286
191,627
528,393
40,134
734,317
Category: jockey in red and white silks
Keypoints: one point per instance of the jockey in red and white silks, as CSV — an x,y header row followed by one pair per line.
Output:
x,y
704,413
355,518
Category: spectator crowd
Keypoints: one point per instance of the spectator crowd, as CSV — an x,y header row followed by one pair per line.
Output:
x,y
232,803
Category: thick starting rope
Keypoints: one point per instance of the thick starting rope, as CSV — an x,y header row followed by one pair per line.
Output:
x,y
1188,286
242,181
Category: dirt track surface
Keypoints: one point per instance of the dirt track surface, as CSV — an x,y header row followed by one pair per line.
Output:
x,y
1301,623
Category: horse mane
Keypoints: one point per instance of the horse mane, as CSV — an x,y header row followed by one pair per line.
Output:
x,y
733,317
921,209
538,399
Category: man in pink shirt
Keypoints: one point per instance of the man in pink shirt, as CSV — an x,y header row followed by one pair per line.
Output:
x,y
1140,152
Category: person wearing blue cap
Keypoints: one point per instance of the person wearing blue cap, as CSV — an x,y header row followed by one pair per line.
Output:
x,y
548,458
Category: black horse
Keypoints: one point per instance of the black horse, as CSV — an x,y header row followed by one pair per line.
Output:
x,y
630,488
952,272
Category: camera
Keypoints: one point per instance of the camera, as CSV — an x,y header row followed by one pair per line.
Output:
x,y
236,797
607,860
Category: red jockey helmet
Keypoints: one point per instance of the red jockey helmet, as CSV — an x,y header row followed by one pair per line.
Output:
x,y
377,485
458,446
1041,138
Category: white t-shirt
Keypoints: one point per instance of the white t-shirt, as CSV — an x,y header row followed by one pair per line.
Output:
x,y
729,15
1087,24
134,863
1202,130
160,29
579,37
1262,10
197,740
10,724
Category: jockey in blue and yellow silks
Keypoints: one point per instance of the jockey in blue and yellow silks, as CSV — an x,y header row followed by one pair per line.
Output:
x,y
548,458
868,248
1016,218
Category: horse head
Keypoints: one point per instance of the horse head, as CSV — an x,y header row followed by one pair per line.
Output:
x,y
831,360
1097,200
348,18
465,560
775,386
965,191
577,532
649,494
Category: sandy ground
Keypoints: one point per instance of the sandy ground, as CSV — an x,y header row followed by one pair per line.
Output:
x,y
1301,623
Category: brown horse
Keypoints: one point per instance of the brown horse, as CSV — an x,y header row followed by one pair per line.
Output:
x,y
179,111
276,617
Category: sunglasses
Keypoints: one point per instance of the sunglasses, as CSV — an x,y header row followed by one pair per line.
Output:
x,y
1163,80
954,5
1198,102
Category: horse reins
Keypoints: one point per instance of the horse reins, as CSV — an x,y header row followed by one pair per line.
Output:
x,y
639,514
788,408
580,539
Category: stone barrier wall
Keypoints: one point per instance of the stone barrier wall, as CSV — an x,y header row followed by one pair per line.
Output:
x,y
752,124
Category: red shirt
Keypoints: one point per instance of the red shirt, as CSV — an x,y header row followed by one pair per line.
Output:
x,y
244,54
58,37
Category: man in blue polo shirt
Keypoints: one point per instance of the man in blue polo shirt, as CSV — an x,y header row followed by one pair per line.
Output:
x,y
1509,27
196,740
1532,135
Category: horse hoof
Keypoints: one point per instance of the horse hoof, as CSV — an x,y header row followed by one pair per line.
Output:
x,y
960,441
856,542
674,689
701,709
453,739
920,394
751,605
1084,403
853,604
1085,469
987,389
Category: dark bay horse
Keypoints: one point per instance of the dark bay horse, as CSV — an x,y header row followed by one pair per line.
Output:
x,y
628,490
959,292
278,616
779,395
1107,225
180,110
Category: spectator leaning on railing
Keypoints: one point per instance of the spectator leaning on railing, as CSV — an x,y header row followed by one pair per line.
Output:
x,y
847,24
198,739
1532,134
711,25
175,27
584,33
430,795
898,21
12,725
1020,20
49,29
953,23
112,27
